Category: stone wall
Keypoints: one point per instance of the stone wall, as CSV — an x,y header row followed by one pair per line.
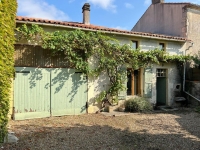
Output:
x,y
193,88
193,31
97,85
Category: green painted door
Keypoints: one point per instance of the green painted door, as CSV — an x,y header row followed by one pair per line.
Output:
x,y
148,82
161,90
122,94
68,92
161,86
31,93
40,92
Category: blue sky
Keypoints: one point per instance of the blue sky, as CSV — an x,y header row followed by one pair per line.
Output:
x,y
120,14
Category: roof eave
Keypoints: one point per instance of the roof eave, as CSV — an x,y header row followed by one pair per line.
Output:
x,y
109,32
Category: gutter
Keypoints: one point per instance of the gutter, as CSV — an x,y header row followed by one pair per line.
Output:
x,y
184,72
109,32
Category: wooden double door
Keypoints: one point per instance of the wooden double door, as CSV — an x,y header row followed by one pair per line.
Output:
x,y
133,82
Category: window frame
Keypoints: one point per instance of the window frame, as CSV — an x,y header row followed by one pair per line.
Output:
x,y
161,72
136,42
163,44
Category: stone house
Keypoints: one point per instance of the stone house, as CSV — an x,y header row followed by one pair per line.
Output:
x,y
44,86
176,19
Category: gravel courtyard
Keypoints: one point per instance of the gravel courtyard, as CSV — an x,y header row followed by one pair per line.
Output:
x,y
178,130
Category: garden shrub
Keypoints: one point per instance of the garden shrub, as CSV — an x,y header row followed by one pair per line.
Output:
x,y
8,10
138,104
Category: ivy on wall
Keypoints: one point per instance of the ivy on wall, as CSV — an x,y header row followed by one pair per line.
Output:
x,y
196,59
8,10
107,54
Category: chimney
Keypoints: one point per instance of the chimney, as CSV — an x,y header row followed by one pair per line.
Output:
x,y
158,1
86,13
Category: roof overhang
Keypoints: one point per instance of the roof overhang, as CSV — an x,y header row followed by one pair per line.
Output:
x,y
72,25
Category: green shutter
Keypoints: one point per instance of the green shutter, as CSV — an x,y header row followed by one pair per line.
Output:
x,y
31,93
148,82
122,94
40,92
68,92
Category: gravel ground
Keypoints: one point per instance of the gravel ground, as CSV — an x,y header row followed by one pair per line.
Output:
x,y
178,130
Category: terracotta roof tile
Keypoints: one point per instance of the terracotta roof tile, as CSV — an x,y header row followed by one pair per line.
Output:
x,y
94,27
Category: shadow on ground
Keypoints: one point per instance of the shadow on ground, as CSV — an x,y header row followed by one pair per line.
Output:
x,y
81,136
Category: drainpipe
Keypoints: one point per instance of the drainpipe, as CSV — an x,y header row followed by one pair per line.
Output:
x,y
184,70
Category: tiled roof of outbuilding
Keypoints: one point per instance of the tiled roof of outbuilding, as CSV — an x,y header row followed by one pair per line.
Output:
x,y
94,28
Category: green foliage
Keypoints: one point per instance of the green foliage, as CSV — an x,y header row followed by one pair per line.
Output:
x,y
7,23
31,33
197,109
107,54
196,59
138,104
100,96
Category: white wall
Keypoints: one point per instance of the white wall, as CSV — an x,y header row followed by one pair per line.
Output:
x,y
173,48
172,78
96,86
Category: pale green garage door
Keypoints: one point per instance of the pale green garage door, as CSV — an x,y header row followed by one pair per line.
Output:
x,y
40,92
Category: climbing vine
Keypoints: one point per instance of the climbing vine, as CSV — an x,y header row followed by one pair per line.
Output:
x,y
106,53
196,59
7,24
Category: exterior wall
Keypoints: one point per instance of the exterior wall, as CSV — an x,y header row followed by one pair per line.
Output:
x,y
172,48
193,30
173,78
193,34
96,86
193,74
164,18
193,87
101,83
35,56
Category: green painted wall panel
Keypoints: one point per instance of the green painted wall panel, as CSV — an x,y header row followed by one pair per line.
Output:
x,y
42,92
80,83
123,93
31,93
148,82
68,92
